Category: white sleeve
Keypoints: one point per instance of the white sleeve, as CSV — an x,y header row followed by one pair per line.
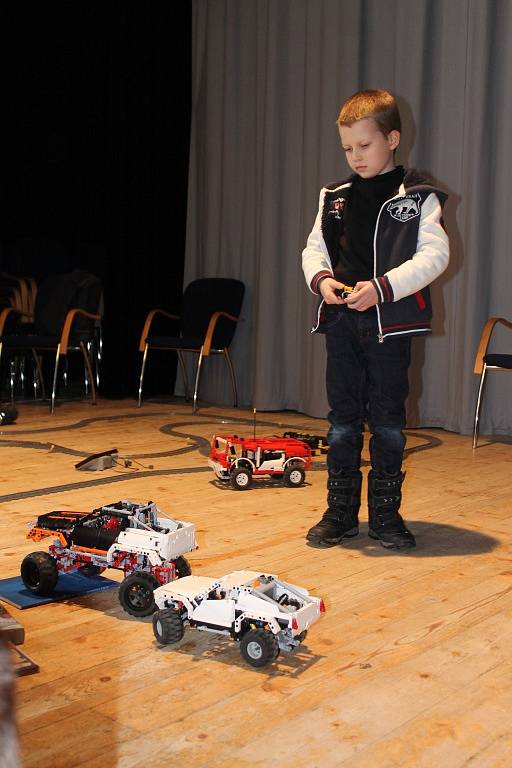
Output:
x,y
315,257
431,257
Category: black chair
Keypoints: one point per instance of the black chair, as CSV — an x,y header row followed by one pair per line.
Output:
x,y
206,326
488,362
19,293
66,319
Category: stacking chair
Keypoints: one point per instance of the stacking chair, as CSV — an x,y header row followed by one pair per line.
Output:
x,y
18,293
488,362
206,326
66,314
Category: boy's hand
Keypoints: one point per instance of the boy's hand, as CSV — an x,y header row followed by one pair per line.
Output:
x,y
363,296
327,287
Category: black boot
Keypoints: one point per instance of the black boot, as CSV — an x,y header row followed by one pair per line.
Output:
x,y
384,520
340,519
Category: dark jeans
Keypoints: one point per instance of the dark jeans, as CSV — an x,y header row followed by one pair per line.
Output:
x,y
367,381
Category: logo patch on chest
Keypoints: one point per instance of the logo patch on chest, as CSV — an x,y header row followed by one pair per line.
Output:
x,y
336,207
405,208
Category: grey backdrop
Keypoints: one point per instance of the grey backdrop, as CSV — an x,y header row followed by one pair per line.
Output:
x,y
269,77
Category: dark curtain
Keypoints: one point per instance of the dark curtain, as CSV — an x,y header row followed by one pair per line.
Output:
x,y
95,159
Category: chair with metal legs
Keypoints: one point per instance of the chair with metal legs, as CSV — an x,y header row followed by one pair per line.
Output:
x,y
485,362
206,326
65,320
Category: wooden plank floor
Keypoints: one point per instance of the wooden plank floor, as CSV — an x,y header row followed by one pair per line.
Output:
x,y
410,665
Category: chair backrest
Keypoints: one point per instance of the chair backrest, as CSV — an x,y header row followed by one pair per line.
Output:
x,y
21,292
204,297
60,293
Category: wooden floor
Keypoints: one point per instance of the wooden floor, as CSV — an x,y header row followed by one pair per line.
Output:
x,y
410,665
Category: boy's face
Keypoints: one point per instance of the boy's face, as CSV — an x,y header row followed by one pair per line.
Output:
x,y
368,152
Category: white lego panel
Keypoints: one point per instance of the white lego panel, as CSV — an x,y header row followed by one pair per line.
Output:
x,y
273,465
180,541
307,615
257,605
240,578
188,586
219,612
166,522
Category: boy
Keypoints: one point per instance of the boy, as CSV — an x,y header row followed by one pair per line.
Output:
x,y
381,233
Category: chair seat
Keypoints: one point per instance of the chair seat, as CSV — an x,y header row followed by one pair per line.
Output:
x,y
34,341
500,361
173,342
30,341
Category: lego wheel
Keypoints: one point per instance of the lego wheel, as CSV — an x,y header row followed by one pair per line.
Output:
x,y
167,626
259,647
241,479
136,594
294,476
90,570
182,567
39,573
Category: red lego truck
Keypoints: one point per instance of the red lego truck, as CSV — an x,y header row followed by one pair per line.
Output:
x,y
237,459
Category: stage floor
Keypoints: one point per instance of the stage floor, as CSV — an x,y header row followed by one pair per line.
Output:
x,y
409,666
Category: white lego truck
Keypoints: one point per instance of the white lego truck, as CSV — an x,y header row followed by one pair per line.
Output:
x,y
130,536
260,611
